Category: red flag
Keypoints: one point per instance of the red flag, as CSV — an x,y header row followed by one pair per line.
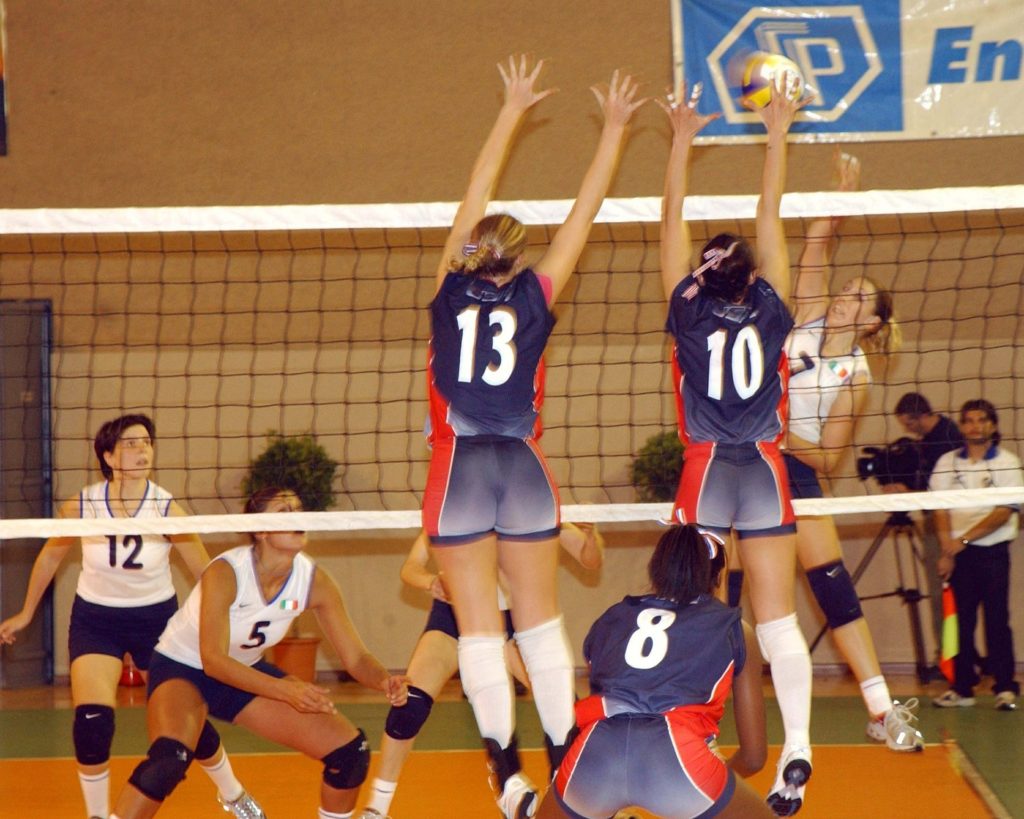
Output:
x,y
950,633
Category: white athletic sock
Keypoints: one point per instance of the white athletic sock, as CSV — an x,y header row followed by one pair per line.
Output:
x,y
876,696
783,646
224,778
548,659
487,684
326,814
96,792
381,793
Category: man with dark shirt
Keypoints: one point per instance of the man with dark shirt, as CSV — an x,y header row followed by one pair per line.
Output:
x,y
936,434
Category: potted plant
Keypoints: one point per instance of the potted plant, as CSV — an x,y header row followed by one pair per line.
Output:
x,y
656,469
300,464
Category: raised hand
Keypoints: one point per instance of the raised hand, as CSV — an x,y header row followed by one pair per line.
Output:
x,y
619,101
520,80
845,171
781,110
686,122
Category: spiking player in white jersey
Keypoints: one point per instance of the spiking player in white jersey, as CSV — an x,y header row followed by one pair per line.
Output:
x,y
490,499
124,598
729,320
828,388
210,661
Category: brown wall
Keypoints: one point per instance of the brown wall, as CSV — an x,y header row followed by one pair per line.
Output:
x,y
201,102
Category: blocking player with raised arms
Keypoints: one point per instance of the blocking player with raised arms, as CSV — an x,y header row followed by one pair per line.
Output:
x,y
729,321
490,499
123,600
210,661
661,668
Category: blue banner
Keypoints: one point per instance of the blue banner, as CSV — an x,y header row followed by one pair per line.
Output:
x,y
880,70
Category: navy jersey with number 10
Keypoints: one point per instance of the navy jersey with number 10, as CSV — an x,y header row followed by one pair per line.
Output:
x,y
486,369
730,369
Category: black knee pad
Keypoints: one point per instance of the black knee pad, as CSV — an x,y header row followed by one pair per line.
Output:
x,y
209,742
93,733
833,589
346,767
405,722
162,769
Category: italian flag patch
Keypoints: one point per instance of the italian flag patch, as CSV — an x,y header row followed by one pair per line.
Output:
x,y
290,605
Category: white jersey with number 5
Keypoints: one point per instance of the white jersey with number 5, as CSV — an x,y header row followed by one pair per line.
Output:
x,y
256,623
125,571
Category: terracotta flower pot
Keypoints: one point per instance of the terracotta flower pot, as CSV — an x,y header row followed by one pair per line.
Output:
x,y
296,656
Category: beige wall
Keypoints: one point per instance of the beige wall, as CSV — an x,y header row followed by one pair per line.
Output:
x,y
203,102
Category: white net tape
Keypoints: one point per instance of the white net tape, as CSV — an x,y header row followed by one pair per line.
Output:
x,y
410,519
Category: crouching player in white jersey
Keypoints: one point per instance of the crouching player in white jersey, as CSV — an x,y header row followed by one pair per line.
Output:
x,y
210,661
123,601
661,668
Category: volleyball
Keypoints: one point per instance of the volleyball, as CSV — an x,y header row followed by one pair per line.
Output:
x,y
760,72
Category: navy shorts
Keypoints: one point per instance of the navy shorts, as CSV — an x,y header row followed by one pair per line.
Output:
x,y
224,701
643,760
737,486
116,631
484,484
442,618
803,480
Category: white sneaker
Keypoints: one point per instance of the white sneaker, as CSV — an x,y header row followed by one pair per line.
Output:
x,y
244,807
372,813
791,775
518,798
1006,701
950,699
896,728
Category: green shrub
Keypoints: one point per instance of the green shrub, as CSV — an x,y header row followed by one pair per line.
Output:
x,y
298,463
656,469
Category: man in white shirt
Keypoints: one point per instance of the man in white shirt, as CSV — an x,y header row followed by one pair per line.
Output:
x,y
976,552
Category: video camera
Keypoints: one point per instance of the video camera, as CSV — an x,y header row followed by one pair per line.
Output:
x,y
898,462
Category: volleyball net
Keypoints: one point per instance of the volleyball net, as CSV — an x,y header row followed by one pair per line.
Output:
x,y
229,325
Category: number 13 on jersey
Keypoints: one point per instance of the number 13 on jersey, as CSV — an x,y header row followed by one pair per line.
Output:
x,y
503,321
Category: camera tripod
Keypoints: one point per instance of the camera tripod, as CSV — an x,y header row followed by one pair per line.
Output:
x,y
900,528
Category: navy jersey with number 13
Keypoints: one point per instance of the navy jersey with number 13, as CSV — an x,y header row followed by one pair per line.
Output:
x,y
486,369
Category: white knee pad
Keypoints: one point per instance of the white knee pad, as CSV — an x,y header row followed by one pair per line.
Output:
x,y
780,638
548,660
487,684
